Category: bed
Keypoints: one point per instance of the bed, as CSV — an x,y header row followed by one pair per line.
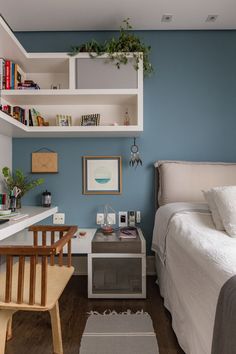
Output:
x,y
196,264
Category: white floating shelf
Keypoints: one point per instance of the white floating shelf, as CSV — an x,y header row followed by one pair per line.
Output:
x,y
70,97
11,127
85,89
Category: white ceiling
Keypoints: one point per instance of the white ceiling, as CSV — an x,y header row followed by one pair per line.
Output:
x,y
64,15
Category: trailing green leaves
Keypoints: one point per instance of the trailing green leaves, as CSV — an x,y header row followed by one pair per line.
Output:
x,y
119,49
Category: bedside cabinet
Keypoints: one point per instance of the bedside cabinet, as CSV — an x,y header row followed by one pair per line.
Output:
x,y
117,267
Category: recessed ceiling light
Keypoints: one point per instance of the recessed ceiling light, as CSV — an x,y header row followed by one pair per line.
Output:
x,y
166,18
211,18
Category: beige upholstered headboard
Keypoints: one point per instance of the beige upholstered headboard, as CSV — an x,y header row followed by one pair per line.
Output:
x,y
183,181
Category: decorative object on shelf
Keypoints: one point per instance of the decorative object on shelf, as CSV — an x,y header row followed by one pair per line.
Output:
x,y
135,157
28,85
126,117
106,227
46,199
102,174
7,109
55,87
17,181
119,49
90,119
40,121
36,120
33,117
64,120
44,161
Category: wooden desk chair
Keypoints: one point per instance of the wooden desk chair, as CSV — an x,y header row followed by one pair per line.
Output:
x,y
32,281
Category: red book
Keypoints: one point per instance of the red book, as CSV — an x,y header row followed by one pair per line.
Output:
x,y
8,74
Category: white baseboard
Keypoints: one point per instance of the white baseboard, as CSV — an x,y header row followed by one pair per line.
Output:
x,y
80,264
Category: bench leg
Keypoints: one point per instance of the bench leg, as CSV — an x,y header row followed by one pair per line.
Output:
x,y
5,317
56,329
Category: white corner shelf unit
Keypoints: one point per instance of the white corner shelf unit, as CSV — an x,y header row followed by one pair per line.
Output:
x,y
87,86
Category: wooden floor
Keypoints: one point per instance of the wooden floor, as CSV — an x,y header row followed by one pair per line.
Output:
x,y
32,331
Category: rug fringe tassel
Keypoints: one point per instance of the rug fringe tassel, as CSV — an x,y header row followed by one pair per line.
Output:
x,y
113,312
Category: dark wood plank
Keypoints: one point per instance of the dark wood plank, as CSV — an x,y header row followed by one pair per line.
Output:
x,y
8,290
32,330
21,274
33,262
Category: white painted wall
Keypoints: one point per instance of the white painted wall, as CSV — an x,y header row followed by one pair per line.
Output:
x,y
5,155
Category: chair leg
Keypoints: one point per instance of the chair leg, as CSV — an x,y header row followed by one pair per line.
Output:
x,y
56,329
9,329
5,317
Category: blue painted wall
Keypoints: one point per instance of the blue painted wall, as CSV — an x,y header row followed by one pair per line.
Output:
x,y
189,113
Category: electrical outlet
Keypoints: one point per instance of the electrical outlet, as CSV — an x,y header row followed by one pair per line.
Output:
x,y
111,218
100,219
59,218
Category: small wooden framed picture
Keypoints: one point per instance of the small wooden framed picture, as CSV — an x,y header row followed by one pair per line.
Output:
x,y
102,175
44,162
64,121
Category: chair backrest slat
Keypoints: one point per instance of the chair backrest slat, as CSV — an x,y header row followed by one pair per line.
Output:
x,y
21,274
69,262
52,257
36,242
44,281
60,260
32,280
8,290
44,239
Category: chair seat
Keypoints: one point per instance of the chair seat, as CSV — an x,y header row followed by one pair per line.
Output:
x,y
58,278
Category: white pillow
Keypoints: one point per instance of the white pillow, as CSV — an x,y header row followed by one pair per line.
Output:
x,y
225,199
214,211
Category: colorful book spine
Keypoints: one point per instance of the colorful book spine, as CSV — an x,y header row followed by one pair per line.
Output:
x,y
8,74
19,76
12,75
2,74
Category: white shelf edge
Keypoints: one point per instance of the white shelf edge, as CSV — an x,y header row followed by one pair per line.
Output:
x,y
11,127
65,92
11,121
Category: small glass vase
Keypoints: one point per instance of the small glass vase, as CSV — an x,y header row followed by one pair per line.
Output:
x,y
18,202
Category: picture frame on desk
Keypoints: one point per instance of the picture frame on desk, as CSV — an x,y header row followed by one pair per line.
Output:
x,y
102,174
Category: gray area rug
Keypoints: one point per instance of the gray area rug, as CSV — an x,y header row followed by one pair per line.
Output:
x,y
125,333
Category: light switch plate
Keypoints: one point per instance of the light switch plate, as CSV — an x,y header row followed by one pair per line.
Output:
x,y
111,218
123,219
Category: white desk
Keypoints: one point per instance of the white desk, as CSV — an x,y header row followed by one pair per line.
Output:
x,y
36,214
79,244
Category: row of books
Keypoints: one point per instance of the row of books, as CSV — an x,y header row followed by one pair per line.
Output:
x,y
16,112
29,117
11,75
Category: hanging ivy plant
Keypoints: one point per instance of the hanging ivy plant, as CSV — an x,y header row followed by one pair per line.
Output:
x,y
119,49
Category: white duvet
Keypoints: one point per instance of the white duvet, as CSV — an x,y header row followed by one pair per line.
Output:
x,y
197,260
